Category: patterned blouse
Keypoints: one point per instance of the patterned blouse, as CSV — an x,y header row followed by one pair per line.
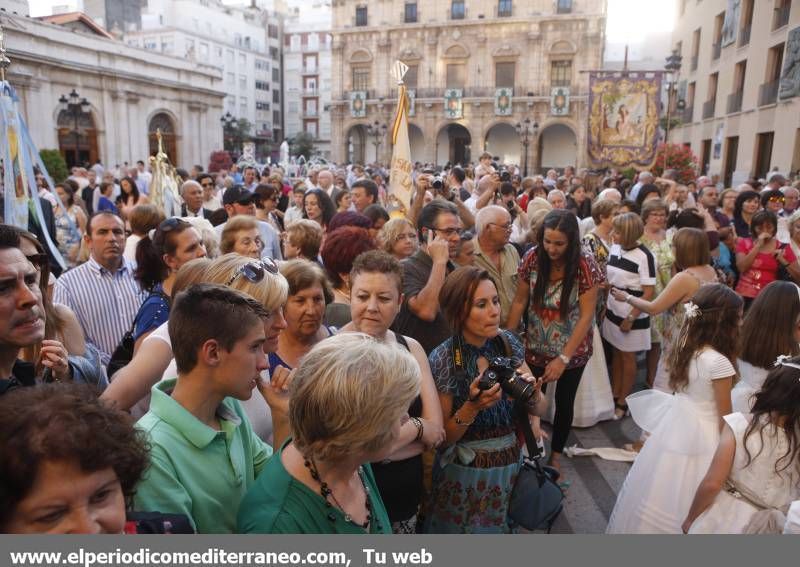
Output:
x,y
547,333
448,381
600,250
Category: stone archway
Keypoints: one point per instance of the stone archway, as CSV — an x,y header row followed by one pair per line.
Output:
x,y
169,139
77,142
416,141
357,144
558,147
502,141
453,145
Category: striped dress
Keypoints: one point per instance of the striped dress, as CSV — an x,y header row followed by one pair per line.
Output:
x,y
628,270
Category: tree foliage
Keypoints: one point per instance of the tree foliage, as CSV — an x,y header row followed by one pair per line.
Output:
x,y
55,165
302,145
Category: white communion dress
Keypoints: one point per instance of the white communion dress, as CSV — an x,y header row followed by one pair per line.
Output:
x,y
684,433
593,400
751,378
751,487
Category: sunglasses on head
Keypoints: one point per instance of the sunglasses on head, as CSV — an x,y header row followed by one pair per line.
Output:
x,y
38,260
254,271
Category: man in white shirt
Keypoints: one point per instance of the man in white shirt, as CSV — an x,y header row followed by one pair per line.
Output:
x,y
645,178
143,178
325,182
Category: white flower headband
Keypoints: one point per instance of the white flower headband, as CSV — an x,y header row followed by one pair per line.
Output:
x,y
691,310
782,361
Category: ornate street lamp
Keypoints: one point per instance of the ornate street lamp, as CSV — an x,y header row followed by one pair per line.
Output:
x,y
75,107
377,131
527,131
228,122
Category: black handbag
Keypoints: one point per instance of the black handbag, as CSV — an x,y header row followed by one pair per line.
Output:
x,y
536,499
123,354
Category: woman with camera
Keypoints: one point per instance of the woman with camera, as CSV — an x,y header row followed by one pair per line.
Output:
x,y
473,474
559,283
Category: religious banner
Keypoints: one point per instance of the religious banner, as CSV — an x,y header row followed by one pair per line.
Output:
x,y
400,182
22,206
453,106
164,187
731,23
790,76
624,111
559,101
412,101
358,104
502,101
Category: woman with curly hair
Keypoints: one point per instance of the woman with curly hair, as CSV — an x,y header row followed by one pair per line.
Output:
x,y
70,463
685,427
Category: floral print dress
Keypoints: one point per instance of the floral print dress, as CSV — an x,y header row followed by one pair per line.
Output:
x,y
473,479
662,251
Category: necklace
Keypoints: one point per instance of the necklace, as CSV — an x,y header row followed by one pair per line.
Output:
x,y
326,492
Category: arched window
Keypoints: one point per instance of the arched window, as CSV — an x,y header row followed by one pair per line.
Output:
x,y
162,121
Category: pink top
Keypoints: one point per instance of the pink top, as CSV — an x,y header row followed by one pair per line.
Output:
x,y
764,270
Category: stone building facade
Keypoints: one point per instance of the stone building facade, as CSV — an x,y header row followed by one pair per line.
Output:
x,y
475,47
740,82
131,92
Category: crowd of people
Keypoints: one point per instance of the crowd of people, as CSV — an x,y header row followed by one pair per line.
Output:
x,y
304,355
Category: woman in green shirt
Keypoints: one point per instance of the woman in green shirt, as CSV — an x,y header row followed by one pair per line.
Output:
x,y
348,400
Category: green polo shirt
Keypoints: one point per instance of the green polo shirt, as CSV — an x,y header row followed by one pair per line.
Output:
x,y
196,470
280,504
505,279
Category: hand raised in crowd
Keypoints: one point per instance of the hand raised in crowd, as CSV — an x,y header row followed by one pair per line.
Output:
x,y
276,389
438,248
763,240
55,357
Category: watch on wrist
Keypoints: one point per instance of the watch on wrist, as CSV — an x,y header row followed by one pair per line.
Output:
x,y
564,358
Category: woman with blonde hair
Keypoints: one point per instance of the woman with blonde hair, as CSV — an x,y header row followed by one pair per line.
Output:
x,y
258,278
241,236
631,267
302,240
398,237
348,403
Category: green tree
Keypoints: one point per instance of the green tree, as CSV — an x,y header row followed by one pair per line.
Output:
x,y
55,164
239,132
302,145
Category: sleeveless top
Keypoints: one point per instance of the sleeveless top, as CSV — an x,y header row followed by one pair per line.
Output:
x,y
400,482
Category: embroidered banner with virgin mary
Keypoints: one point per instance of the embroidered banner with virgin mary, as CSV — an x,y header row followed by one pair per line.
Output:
x,y
624,111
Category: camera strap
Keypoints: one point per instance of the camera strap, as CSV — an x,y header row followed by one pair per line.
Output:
x,y
521,413
458,354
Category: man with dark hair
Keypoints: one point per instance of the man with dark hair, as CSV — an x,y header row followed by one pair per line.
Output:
x,y
103,292
439,229
364,194
456,179
211,200
250,181
204,454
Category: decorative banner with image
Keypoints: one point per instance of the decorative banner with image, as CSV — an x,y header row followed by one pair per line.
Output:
x,y
731,24
453,106
358,104
790,76
503,99
559,101
624,112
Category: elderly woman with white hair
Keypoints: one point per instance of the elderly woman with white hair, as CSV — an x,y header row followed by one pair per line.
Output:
x,y
348,401
557,199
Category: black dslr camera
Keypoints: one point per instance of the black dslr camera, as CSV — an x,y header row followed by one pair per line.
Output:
x,y
500,370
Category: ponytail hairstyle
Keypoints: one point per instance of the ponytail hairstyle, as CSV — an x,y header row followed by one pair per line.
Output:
x,y
711,320
777,406
566,222
150,267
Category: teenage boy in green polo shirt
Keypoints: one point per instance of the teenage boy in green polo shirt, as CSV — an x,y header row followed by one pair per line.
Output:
x,y
205,455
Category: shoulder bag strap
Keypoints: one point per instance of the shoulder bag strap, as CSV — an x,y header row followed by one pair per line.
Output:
x,y
521,414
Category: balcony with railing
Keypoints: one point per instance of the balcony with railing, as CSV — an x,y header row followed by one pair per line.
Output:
x,y
716,50
735,102
768,93
744,35
310,92
309,113
688,115
694,62
309,70
781,15
708,108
